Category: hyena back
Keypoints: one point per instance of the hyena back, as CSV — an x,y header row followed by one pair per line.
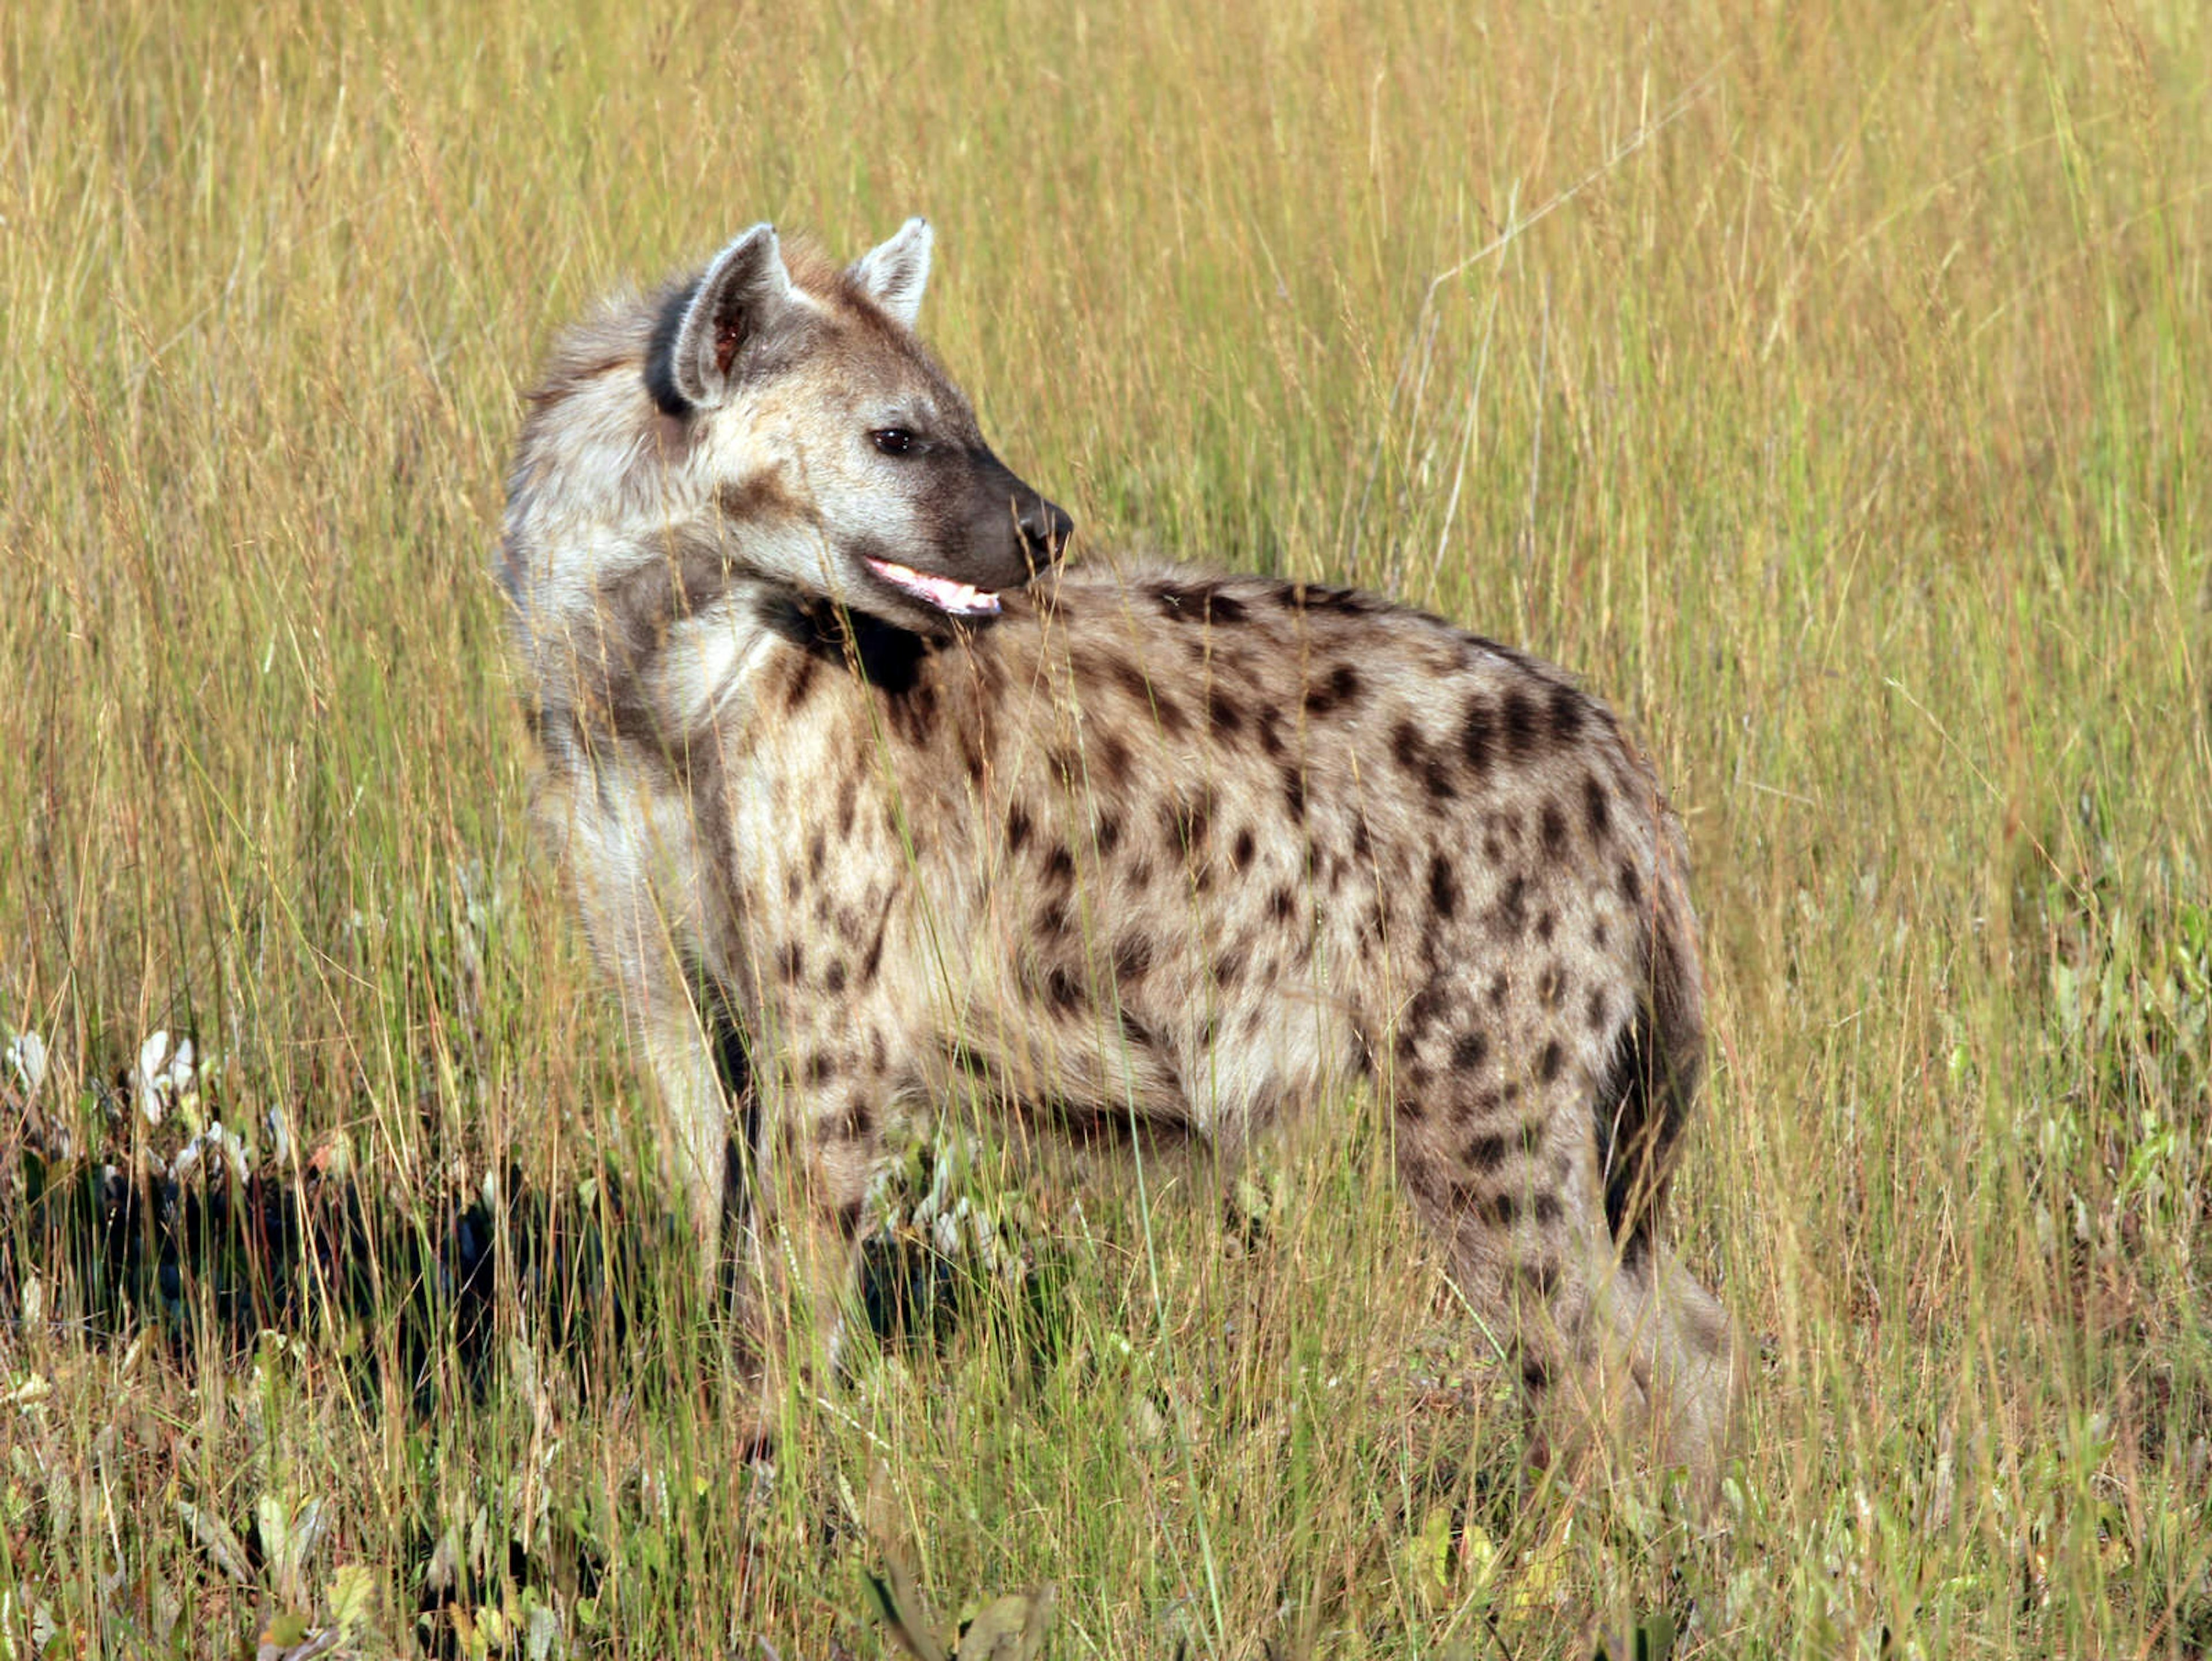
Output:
x,y
1189,851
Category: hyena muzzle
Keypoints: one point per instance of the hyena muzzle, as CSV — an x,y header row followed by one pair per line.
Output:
x,y
859,815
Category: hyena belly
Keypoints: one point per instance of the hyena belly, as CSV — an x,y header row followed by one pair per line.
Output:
x,y
1216,849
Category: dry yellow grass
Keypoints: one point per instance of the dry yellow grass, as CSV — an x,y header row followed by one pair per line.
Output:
x,y
1825,383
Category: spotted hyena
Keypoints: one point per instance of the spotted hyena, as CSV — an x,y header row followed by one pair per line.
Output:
x,y
858,813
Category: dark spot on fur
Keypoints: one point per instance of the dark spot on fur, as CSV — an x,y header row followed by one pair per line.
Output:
x,y
1471,1050
878,1052
1478,735
1225,714
1133,957
1140,874
1112,755
1427,1007
796,690
1443,886
816,851
1499,1209
1406,747
1498,988
1131,680
821,1066
1340,686
790,962
1548,1064
1294,794
848,1219
1566,714
1271,741
848,800
1426,765
1517,721
1597,810
1597,1013
1553,987
833,978
1052,920
1547,925
1486,1153
1228,968
1535,1377
1553,827
1510,915
1065,990
1186,824
1242,853
1109,834
1199,602
1281,904
873,962
1060,866
1545,1210
1542,1276
1017,827
1344,602
1632,885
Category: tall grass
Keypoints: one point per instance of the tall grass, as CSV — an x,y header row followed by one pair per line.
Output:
x,y
1827,384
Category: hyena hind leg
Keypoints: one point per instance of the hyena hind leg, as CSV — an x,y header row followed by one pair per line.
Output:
x,y
1680,1347
1626,1359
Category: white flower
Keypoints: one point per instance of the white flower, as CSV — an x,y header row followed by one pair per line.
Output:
x,y
213,1141
165,1076
26,1058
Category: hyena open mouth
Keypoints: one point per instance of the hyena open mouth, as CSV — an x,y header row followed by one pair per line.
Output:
x,y
1192,850
948,595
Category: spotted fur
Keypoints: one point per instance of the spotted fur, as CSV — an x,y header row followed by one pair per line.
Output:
x,y
1190,850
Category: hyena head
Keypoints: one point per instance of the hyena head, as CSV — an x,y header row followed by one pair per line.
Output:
x,y
766,422
851,466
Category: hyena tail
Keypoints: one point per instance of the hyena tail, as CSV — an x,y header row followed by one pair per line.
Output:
x,y
1646,1101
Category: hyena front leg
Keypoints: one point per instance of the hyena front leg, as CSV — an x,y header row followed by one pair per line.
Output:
x,y
682,1045
636,883
816,1146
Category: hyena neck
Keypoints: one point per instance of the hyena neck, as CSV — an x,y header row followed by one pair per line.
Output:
x,y
881,653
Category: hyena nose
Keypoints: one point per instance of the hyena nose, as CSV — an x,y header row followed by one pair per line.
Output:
x,y
1046,528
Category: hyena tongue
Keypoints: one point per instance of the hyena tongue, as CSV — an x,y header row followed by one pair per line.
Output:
x,y
960,599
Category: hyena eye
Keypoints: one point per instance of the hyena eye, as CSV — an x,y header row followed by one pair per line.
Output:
x,y
893,440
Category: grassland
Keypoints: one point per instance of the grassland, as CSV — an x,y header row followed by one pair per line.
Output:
x,y
1827,383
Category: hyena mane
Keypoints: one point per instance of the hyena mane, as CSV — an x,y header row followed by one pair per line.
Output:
x,y
861,800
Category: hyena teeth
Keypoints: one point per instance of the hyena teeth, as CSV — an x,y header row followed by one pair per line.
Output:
x,y
959,599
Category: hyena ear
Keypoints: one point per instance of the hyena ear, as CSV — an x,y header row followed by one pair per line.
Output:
x,y
895,274
744,293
